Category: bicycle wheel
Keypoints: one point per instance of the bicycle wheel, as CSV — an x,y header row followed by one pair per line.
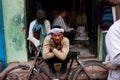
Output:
x,y
21,73
94,70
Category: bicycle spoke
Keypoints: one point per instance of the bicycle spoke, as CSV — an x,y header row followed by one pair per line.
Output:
x,y
81,76
95,71
18,73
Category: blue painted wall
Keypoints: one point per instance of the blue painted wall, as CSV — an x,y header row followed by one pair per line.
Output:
x,y
2,43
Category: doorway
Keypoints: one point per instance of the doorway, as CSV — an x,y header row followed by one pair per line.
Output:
x,y
74,7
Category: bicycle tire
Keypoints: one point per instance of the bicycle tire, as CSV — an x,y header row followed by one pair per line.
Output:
x,y
78,74
20,73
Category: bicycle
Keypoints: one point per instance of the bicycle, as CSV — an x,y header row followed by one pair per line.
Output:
x,y
34,73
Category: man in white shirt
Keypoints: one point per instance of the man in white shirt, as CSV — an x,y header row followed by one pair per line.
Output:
x,y
60,21
38,30
112,40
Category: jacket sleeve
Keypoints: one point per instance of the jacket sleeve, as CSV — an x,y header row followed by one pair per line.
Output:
x,y
46,49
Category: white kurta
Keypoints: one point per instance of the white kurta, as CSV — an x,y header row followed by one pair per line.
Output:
x,y
112,40
35,41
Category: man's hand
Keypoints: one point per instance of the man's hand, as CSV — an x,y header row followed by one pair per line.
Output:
x,y
52,46
51,49
39,48
110,65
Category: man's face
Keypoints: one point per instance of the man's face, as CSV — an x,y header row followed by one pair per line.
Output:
x,y
57,37
41,21
63,14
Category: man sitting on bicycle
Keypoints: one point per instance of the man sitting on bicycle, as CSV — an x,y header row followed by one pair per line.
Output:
x,y
56,49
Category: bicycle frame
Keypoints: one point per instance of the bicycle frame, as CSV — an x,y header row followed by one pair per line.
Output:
x,y
34,65
74,57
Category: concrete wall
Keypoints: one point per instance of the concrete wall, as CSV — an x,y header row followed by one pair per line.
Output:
x,y
14,28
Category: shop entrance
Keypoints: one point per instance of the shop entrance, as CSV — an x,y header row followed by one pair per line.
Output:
x,y
82,17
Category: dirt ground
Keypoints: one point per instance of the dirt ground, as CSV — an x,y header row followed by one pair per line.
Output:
x,y
84,56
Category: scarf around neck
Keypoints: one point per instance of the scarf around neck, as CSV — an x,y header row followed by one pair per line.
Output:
x,y
41,29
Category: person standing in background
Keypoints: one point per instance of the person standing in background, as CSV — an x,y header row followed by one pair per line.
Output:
x,y
116,8
105,20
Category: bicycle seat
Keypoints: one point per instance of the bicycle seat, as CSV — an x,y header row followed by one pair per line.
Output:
x,y
74,53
